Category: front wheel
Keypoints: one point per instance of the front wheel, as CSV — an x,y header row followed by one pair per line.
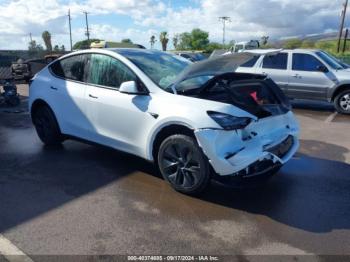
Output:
x,y
342,102
183,164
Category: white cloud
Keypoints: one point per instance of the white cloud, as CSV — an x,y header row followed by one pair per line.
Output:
x,y
250,18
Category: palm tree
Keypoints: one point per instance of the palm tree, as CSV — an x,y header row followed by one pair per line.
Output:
x,y
163,38
152,41
175,40
47,40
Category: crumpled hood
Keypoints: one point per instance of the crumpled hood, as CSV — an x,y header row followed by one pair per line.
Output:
x,y
214,66
227,63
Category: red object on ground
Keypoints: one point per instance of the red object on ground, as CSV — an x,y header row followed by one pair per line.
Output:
x,y
254,95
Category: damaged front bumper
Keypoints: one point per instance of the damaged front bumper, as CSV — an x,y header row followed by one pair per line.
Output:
x,y
263,145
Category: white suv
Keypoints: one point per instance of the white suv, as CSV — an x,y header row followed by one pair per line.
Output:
x,y
305,74
195,121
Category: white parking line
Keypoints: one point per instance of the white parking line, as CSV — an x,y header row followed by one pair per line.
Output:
x,y
11,252
331,118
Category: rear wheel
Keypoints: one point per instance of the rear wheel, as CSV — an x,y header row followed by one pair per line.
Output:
x,y
342,102
183,164
46,126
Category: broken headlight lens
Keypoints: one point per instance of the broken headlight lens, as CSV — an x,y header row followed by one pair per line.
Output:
x,y
229,122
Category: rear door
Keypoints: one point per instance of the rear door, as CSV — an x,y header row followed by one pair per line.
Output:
x,y
67,94
119,119
276,67
306,80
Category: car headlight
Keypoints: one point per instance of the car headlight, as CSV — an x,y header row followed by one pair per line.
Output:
x,y
229,122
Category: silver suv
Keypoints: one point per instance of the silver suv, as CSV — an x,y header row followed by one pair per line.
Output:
x,y
305,74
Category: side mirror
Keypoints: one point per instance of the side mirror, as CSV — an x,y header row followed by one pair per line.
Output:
x,y
130,87
322,68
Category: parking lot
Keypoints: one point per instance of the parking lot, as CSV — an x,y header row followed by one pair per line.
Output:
x,y
82,199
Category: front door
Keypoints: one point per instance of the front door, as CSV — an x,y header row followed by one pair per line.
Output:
x,y
119,119
306,80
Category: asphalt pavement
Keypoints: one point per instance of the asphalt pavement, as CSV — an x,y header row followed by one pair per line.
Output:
x,y
80,199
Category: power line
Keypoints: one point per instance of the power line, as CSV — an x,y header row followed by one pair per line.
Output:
x,y
87,33
343,14
224,20
70,30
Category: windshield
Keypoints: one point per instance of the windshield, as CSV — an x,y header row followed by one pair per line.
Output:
x,y
331,61
162,68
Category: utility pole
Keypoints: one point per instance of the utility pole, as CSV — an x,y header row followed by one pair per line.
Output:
x,y
343,14
224,19
87,27
345,39
70,31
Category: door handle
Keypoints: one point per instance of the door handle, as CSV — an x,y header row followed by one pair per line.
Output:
x,y
54,88
297,76
95,97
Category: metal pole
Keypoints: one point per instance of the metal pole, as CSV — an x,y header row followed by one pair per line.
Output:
x,y
87,27
224,19
345,39
70,30
343,14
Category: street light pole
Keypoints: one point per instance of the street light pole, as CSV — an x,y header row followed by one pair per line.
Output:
x,y
70,31
224,19
87,27
343,14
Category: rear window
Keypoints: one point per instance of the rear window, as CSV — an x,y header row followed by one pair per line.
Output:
x,y
278,61
251,62
70,68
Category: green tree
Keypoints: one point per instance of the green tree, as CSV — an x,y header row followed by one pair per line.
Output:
x,y
176,40
56,48
329,46
47,40
308,44
213,46
63,48
292,43
127,41
163,38
185,41
85,44
34,48
152,41
196,40
200,39
264,40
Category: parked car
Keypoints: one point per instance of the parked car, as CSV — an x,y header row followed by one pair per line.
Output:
x,y
192,56
305,74
25,70
194,121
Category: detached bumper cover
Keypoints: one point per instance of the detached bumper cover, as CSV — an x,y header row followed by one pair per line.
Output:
x,y
272,140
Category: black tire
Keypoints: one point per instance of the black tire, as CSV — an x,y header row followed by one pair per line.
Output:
x,y
46,126
342,102
183,164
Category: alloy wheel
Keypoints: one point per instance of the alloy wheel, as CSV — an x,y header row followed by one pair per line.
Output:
x,y
344,102
181,165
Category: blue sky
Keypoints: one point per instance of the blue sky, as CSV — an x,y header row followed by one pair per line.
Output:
x,y
138,20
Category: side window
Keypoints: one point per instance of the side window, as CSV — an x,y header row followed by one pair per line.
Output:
x,y
69,68
305,62
108,71
278,61
251,62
